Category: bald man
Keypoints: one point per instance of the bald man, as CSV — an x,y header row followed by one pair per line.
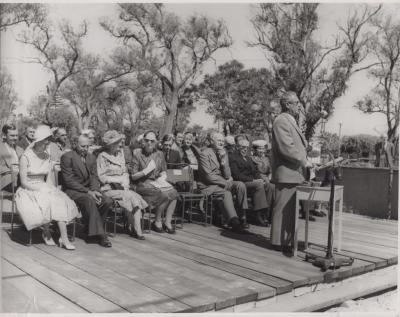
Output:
x,y
289,169
81,183
215,178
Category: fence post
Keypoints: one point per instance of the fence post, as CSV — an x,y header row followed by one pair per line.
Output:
x,y
389,205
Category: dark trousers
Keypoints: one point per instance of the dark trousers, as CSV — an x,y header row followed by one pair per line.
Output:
x,y
256,191
93,215
283,215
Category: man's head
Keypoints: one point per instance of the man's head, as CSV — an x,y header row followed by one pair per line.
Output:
x,y
290,104
188,140
30,133
243,146
149,141
10,134
217,140
178,138
239,138
82,145
61,135
167,142
89,133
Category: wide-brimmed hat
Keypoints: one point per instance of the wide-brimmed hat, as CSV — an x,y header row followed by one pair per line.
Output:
x,y
259,143
111,137
42,132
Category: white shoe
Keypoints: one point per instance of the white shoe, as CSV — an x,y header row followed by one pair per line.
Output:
x,y
48,241
67,246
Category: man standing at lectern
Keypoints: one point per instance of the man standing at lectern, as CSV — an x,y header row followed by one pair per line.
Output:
x,y
289,165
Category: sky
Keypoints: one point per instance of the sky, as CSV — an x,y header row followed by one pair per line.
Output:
x,y
30,79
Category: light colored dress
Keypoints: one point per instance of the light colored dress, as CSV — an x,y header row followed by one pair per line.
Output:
x,y
38,207
112,169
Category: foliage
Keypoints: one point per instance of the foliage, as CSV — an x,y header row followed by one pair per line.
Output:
x,y
329,143
240,98
173,50
358,145
8,97
301,64
12,14
385,96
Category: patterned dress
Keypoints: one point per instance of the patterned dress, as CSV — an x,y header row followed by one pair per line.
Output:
x,y
153,195
112,170
47,203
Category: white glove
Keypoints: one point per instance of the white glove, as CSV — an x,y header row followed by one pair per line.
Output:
x,y
149,168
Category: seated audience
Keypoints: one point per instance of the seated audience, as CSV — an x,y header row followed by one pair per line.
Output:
x,y
244,170
177,145
191,153
10,153
89,133
28,137
230,145
172,157
215,178
38,201
81,183
59,146
264,168
148,171
114,178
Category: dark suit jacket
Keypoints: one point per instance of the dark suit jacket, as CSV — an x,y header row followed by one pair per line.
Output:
x,y
289,154
243,170
174,159
210,170
77,177
23,142
6,163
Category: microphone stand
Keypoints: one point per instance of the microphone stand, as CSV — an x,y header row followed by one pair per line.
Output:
x,y
330,261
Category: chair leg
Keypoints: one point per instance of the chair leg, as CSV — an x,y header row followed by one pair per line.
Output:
x,y
30,238
73,231
115,223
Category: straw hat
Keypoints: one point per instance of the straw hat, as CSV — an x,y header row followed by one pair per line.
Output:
x,y
42,132
111,137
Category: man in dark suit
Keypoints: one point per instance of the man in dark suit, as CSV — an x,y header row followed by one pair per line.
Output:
x,y
81,183
289,167
215,178
244,170
172,157
10,153
28,138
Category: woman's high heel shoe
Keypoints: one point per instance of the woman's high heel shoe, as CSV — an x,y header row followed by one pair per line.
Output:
x,y
68,246
48,241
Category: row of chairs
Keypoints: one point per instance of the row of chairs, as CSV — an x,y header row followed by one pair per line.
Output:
x,y
191,202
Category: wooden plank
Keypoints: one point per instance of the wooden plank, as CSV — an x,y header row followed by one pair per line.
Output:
x,y
358,287
77,294
173,287
271,266
23,294
243,289
130,295
221,262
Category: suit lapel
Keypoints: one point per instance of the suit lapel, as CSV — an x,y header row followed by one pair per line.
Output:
x,y
296,128
214,158
81,166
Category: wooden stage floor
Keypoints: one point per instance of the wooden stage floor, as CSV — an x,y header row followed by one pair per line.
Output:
x,y
198,269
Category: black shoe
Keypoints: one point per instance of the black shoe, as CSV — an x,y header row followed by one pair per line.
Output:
x,y
104,242
156,229
244,224
276,247
168,230
287,251
318,213
259,220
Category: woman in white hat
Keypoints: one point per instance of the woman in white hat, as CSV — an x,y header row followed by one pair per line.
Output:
x,y
114,177
38,201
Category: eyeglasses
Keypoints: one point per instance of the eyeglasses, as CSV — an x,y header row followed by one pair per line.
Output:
x,y
149,141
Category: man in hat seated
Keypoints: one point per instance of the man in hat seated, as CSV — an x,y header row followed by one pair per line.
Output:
x,y
244,170
215,178
81,183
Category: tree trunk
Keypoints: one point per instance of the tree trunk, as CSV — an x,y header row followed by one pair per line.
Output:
x,y
169,122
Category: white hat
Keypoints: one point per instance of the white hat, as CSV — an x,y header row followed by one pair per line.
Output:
x,y
42,132
259,143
